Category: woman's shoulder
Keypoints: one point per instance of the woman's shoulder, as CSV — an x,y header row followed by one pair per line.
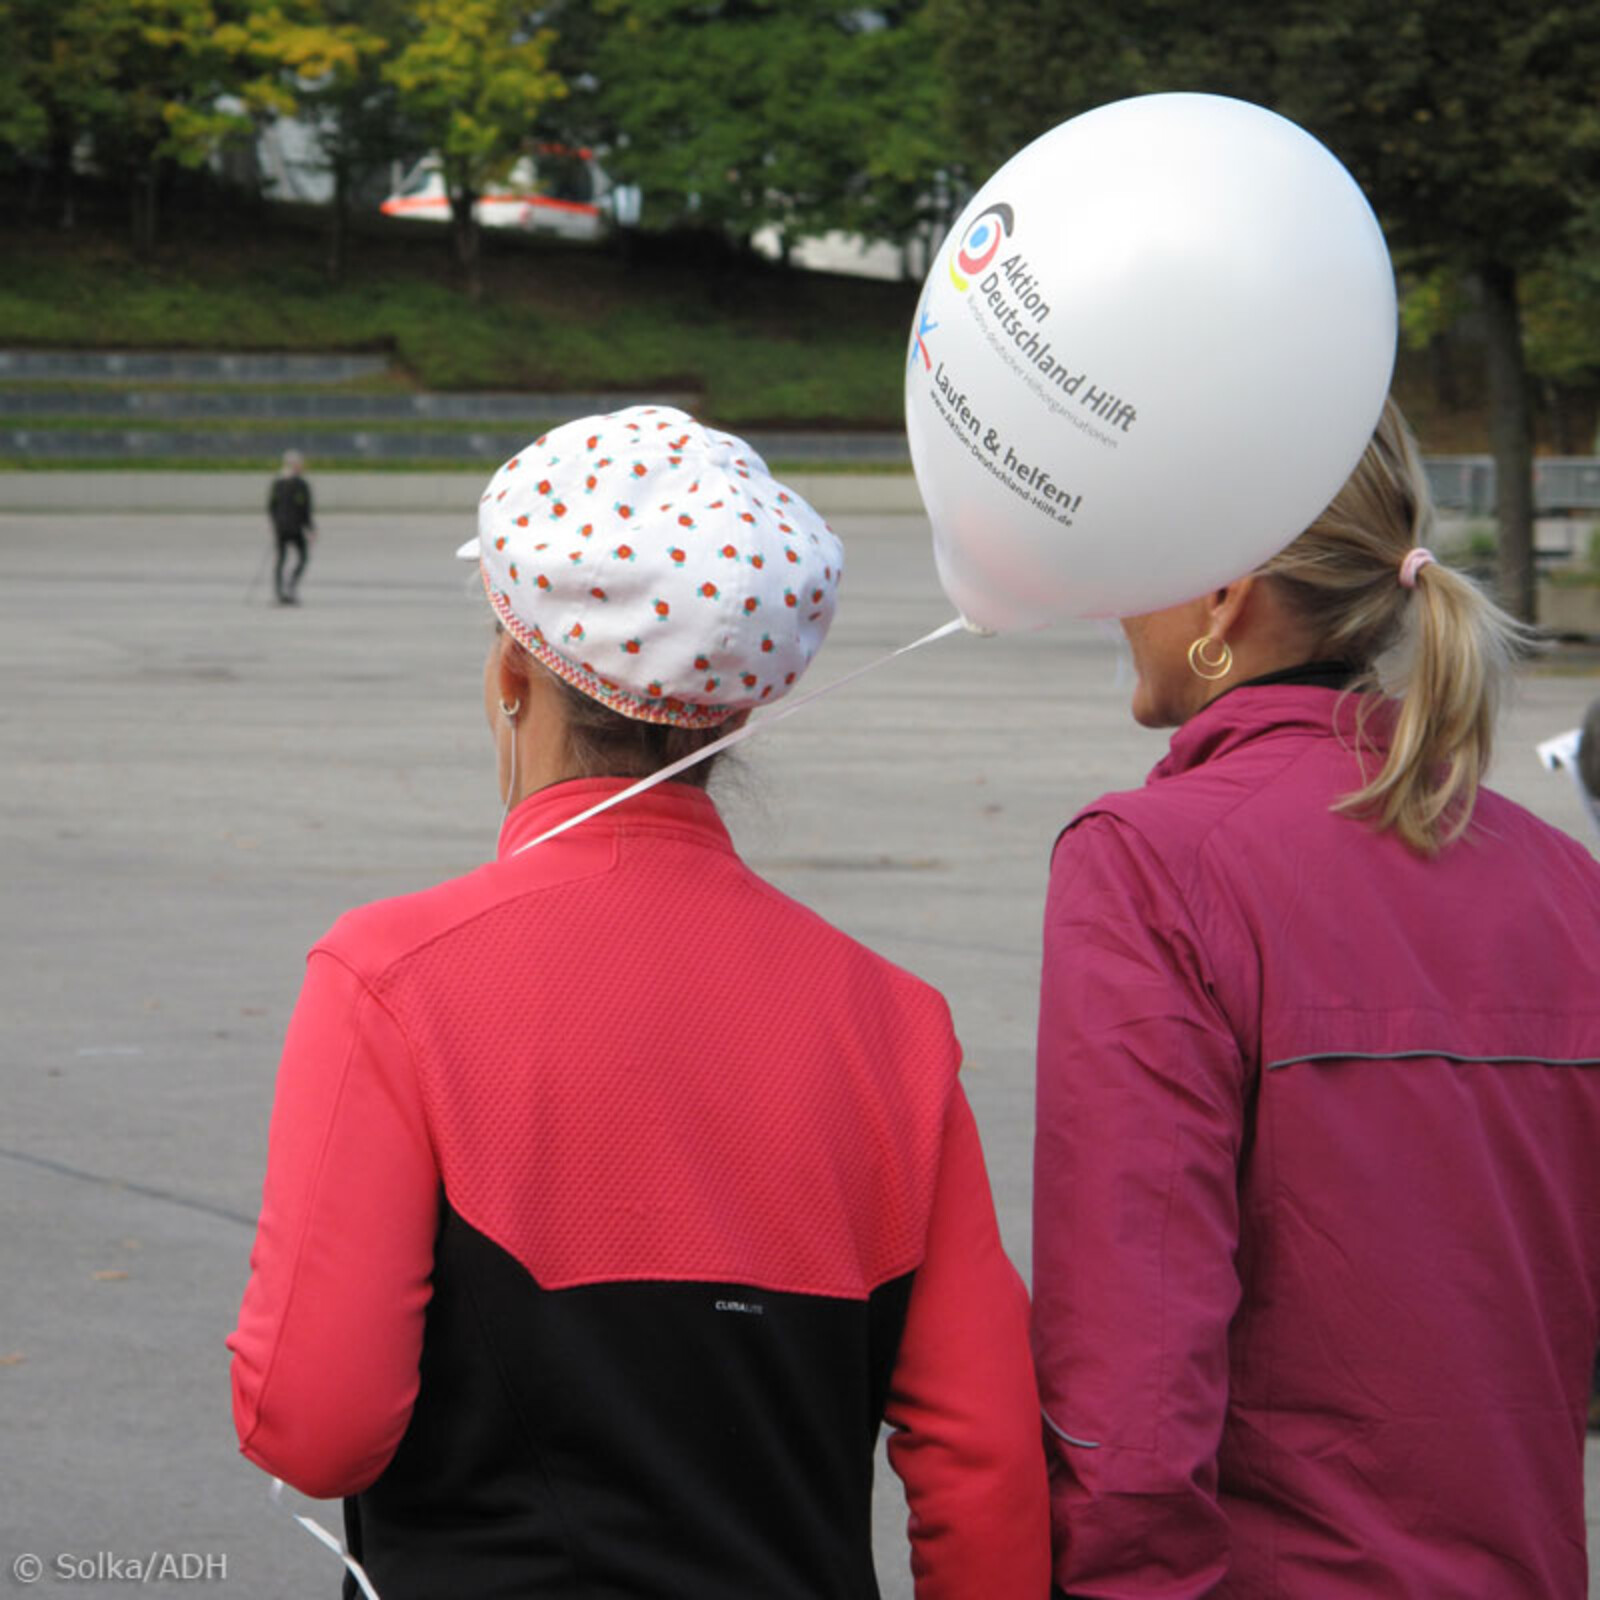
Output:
x,y
1169,817
1503,824
1239,768
375,936
816,944
372,938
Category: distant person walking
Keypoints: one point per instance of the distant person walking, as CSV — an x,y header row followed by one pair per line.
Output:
x,y
289,506
1589,759
1589,752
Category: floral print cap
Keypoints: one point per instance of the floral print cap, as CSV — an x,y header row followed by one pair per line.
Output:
x,y
657,565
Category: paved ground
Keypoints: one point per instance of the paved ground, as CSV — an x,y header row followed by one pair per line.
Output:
x,y
197,783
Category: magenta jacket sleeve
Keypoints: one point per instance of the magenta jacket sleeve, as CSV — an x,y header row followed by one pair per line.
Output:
x,y
963,1402
325,1356
1137,1142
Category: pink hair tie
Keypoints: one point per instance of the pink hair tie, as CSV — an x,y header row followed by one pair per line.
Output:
x,y
1414,562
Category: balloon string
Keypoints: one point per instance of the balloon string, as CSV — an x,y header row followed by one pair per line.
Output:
x,y
321,1534
748,731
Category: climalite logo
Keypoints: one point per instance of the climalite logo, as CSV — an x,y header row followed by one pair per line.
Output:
x,y
980,244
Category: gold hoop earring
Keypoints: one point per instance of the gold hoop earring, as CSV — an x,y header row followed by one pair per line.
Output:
x,y
509,712
1214,666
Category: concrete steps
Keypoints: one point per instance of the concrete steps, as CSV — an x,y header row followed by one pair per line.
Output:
x,y
183,366
52,401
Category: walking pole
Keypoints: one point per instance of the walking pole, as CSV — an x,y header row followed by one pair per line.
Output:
x,y
255,582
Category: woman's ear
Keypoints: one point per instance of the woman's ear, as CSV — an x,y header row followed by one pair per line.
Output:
x,y
512,669
1228,604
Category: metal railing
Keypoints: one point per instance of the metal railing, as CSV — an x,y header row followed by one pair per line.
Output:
x,y
1562,485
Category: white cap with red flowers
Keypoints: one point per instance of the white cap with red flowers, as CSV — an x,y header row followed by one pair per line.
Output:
x,y
656,565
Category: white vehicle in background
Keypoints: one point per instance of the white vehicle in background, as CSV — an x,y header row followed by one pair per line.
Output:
x,y
852,255
556,191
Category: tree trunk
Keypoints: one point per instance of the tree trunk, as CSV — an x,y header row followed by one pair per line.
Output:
x,y
62,138
464,226
339,222
1511,434
143,192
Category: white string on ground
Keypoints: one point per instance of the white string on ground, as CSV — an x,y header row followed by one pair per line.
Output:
x,y
748,731
321,1534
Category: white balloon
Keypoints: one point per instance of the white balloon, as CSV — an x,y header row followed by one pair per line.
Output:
x,y
1149,353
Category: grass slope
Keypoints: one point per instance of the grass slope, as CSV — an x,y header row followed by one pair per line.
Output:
x,y
759,345
756,346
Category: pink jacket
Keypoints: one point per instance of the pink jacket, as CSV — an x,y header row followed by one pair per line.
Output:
x,y
1317,1192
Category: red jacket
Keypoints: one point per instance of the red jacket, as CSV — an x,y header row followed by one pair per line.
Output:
x,y
613,1201
1317,1189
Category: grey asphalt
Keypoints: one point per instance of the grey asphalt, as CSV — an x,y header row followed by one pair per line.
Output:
x,y
197,783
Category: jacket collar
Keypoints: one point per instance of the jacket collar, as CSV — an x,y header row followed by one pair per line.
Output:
x,y
1251,713
678,808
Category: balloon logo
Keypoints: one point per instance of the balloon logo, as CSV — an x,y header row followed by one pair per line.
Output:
x,y
981,245
1146,357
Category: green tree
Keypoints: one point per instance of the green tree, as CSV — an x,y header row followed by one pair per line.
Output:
x,y
1562,307
24,127
51,87
1016,68
472,76
889,81
151,83
331,56
32,130
738,115
1475,129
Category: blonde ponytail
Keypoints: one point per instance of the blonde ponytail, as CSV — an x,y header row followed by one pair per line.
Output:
x,y
1447,648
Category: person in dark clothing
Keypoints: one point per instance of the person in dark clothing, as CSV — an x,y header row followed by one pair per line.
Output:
x,y
1577,752
1589,756
289,506
1589,781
